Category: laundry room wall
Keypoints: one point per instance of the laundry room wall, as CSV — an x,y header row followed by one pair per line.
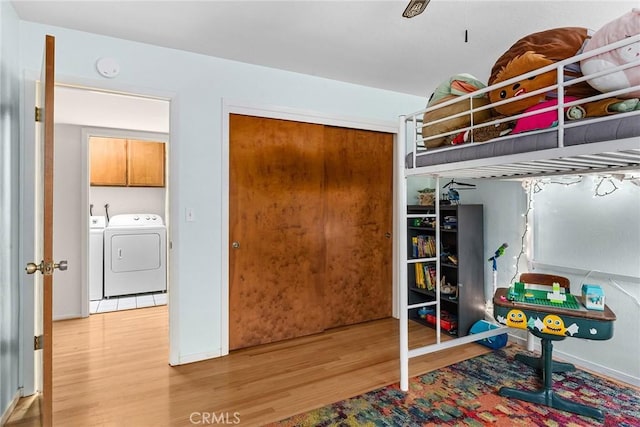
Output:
x,y
68,187
127,200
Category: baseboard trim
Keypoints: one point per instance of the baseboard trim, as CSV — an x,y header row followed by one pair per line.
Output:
x,y
584,364
67,317
197,357
12,405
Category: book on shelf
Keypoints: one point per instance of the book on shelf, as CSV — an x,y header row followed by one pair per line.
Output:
x,y
420,281
425,276
423,246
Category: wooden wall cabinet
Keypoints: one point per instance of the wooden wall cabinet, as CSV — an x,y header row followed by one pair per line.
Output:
x,y
462,265
108,161
126,162
145,164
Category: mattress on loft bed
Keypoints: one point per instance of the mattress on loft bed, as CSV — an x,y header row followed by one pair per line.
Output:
x,y
615,128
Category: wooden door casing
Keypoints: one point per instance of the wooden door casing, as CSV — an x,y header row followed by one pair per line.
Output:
x,y
358,225
277,272
310,211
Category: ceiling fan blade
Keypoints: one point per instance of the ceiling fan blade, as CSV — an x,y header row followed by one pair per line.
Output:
x,y
415,8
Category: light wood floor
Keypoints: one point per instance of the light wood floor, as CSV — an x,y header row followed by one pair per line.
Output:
x,y
111,370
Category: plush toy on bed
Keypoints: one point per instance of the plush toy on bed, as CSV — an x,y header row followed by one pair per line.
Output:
x,y
625,26
535,51
456,86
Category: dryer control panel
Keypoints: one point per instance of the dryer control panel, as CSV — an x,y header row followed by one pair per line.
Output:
x,y
136,220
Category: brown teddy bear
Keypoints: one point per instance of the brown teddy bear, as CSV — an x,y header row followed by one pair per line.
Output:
x,y
538,50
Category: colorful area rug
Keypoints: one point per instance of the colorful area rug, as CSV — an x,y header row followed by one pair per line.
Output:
x,y
466,394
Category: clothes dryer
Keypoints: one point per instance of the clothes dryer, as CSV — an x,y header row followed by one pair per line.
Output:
x,y
134,255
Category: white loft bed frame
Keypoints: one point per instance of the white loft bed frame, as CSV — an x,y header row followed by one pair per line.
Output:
x,y
609,156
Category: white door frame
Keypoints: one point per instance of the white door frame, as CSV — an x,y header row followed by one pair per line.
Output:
x,y
85,171
27,375
293,114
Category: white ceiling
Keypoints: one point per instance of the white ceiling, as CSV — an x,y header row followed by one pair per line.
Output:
x,y
363,42
84,107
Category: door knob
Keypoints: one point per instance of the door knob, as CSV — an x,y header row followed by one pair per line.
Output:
x,y
32,267
235,245
46,268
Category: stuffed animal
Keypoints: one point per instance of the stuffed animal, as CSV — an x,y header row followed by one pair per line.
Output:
x,y
538,50
456,86
530,53
484,133
626,25
541,120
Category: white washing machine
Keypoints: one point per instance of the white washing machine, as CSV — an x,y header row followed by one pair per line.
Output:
x,y
135,255
96,257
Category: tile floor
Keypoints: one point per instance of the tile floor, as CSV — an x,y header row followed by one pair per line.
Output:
x,y
127,302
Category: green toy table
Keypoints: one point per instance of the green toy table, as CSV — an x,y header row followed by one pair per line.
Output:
x,y
552,322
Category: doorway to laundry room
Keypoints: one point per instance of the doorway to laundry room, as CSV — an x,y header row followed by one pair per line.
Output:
x,y
111,158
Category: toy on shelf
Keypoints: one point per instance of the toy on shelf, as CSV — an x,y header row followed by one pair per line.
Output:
x,y
426,197
593,297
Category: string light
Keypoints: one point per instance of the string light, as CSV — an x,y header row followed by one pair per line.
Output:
x,y
530,187
608,180
605,193
534,186
539,184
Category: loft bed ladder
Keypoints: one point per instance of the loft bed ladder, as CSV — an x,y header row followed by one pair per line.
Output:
x,y
407,353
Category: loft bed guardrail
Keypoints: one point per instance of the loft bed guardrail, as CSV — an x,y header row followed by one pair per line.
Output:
x,y
584,145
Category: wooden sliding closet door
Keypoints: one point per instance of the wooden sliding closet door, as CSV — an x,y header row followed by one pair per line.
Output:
x,y
358,225
276,222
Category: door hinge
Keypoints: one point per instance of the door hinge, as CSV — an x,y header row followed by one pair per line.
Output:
x,y
38,114
38,342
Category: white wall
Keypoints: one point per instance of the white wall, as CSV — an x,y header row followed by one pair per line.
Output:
x,y
595,239
10,269
128,200
198,85
67,297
